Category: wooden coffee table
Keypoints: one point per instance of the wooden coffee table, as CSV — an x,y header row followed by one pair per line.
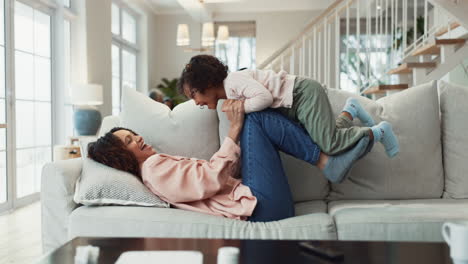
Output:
x,y
265,251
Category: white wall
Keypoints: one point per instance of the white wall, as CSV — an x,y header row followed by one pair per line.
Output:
x,y
273,30
458,75
162,57
99,43
99,39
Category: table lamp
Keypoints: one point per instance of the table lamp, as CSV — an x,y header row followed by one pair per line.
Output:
x,y
86,117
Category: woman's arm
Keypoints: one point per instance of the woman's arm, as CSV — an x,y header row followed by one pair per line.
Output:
x,y
234,110
180,180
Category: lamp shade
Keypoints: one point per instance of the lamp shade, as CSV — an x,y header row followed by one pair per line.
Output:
x,y
208,34
223,34
87,94
183,38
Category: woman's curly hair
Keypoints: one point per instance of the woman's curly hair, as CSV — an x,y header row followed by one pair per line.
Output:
x,y
202,72
111,151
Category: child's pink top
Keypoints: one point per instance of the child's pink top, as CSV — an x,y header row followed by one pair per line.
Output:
x,y
200,185
260,89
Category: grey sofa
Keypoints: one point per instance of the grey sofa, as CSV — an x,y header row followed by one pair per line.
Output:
x,y
406,198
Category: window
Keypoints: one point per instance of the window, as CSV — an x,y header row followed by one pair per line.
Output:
x,y
124,52
239,52
32,55
354,76
67,3
33,69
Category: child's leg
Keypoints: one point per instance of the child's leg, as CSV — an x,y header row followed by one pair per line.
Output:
x,y
293,139
343,121
313,111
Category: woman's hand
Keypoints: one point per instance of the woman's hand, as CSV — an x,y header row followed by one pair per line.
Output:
x,y
231,105
234,110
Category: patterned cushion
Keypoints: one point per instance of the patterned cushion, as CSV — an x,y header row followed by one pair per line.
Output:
x,y
103,185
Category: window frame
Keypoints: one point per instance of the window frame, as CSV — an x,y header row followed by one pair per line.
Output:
x,y
248,31
47,7
123,44
52,9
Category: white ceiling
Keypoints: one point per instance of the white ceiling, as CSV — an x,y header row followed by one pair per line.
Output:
x,y
173,6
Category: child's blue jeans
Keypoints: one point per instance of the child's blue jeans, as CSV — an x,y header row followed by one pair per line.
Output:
x,y
263,135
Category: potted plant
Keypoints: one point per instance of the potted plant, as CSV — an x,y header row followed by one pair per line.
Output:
x,y
169,88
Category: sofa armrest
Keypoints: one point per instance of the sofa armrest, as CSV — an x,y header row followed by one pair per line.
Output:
x,y
58,187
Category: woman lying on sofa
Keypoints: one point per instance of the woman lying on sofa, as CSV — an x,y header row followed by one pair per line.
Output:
x,y
263,194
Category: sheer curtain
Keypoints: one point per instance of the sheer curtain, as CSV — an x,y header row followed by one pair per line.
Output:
x,y
239,52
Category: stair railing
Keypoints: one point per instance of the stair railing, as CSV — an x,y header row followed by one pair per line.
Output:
x,y
354,43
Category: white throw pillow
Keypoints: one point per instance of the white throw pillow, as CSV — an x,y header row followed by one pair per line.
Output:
x,y
417,171
103,185
186,131
454,111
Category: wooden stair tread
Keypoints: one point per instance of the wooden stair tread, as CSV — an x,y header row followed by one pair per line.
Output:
x,y
449,41
431,49
434,49
444,30
408,67
386,87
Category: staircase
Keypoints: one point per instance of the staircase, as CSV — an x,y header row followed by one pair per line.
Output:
x,y
378,47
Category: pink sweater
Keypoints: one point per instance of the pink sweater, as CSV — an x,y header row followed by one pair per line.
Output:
x,y
200,185
260,89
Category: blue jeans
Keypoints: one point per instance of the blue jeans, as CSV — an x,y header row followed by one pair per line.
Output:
x,y
265,133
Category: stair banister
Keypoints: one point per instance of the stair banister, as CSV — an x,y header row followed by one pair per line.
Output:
x,y
310,57
425,19
319,57
315,68
337,50
329,10
415,26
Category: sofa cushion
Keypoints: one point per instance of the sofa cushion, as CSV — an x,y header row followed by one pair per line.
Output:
x,y
454,116
125,221
102,185
417,171
310,207
186,131
108,123
409,220
306,181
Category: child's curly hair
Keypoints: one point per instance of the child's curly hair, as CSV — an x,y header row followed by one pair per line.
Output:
x,y
202,72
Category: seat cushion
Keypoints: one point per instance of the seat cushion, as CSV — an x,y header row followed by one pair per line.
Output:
x,y
311,207
417,171
127,221
409,220
454,112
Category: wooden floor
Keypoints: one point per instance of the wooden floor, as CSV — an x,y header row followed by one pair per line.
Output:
x,y
20,235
